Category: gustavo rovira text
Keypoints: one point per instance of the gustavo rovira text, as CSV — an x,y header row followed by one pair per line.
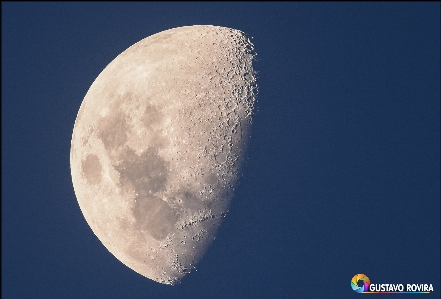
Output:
x,y
385,287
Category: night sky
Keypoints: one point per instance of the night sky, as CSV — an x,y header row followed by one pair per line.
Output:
x,y
341,176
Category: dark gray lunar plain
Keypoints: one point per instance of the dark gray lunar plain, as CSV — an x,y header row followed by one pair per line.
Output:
x,y
157,145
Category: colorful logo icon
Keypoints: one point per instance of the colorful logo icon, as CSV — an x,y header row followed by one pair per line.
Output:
x,y
364,279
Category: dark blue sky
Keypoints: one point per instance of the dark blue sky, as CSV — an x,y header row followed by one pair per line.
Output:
x,y
342,173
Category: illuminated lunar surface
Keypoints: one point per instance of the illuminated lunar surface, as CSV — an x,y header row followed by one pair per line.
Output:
x,y
157,145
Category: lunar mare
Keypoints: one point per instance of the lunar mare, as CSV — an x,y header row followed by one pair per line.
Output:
x,y
157,145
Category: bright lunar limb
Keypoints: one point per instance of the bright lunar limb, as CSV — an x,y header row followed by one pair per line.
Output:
x,y
157,145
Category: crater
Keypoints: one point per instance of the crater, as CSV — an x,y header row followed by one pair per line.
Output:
x,y
221,158
211,179
92,169
155,216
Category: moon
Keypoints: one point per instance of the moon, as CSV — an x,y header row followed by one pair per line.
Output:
x,y
157,146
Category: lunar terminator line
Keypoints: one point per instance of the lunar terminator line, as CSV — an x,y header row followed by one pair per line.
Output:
x,y
157,146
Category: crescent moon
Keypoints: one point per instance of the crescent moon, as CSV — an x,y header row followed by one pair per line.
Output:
x,y
157,146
